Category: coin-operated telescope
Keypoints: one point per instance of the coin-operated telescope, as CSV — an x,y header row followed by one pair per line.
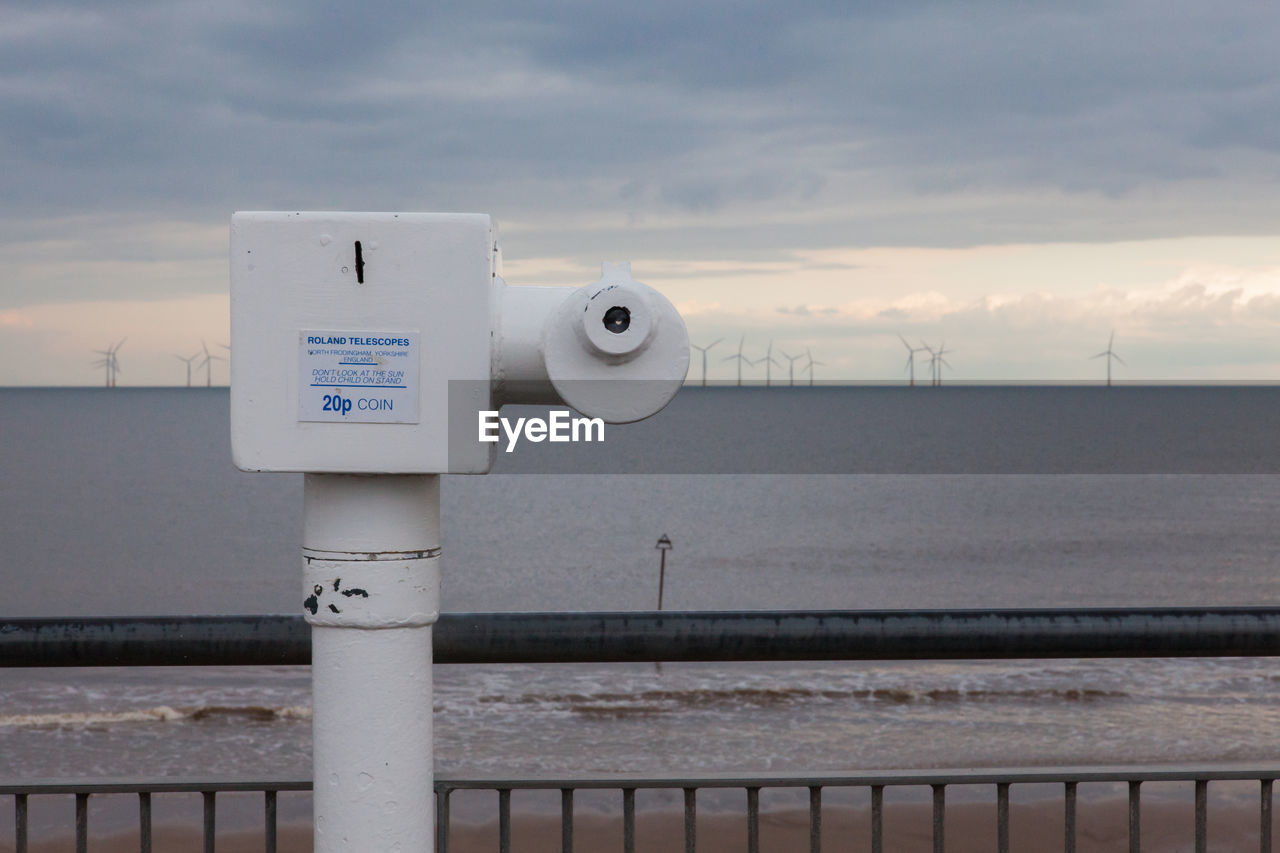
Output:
x,y
365,346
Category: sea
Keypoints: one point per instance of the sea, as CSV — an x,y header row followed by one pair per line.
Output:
x,y
125,501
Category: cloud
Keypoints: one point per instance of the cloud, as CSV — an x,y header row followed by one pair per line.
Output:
x,y
807,311
916,122
109,257
1218,301
726,144
1215,322
700,309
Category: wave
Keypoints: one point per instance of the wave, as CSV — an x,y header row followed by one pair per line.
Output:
x,y
652,702
158,714
604,703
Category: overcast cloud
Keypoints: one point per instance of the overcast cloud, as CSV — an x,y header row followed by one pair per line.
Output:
x,y
670,130
656,109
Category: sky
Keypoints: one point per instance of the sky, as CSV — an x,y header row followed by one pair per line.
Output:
x,y
1017,182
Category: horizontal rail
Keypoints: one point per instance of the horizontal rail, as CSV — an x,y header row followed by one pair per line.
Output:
x,y
1185,772
155,785
1216,772
755,635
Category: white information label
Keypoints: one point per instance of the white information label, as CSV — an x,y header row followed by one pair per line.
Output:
x,y
358,376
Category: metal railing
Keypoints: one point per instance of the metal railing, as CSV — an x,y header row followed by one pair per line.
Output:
x,y
938,781
666,636
209,789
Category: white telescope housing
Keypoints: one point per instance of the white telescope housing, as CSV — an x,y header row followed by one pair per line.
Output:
x,y
359,339
360,342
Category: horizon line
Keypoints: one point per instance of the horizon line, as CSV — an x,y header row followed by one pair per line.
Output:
x,y
722,384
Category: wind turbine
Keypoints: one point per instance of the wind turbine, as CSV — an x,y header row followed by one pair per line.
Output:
x,y
809,366
188,359
941,363
739,358
1110,354
791,367
207,363
933,363
110,362
769,361
911,358
105,362
703,350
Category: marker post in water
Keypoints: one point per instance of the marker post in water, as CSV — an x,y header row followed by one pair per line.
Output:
x,y
664,545
358,339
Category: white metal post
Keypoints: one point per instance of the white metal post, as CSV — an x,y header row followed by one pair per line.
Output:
x,y
371,554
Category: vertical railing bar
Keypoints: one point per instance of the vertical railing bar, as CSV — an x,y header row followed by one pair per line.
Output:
x,y
20,823
628,820
210,818
82,823
690,820
270,819
1135,816
1002,817
1069,818
1264,831
753,820
566,820
442,819
877,819
815,819
1202,815
939,818
504,820
144,821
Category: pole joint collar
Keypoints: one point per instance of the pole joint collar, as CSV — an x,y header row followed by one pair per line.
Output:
x,y
371,590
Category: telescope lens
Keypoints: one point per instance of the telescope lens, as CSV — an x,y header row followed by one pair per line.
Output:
x,y
617,319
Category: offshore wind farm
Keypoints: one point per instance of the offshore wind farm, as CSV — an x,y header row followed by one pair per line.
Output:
x,y
748,371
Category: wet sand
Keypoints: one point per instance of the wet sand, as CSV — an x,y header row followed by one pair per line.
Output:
x,y
970,828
